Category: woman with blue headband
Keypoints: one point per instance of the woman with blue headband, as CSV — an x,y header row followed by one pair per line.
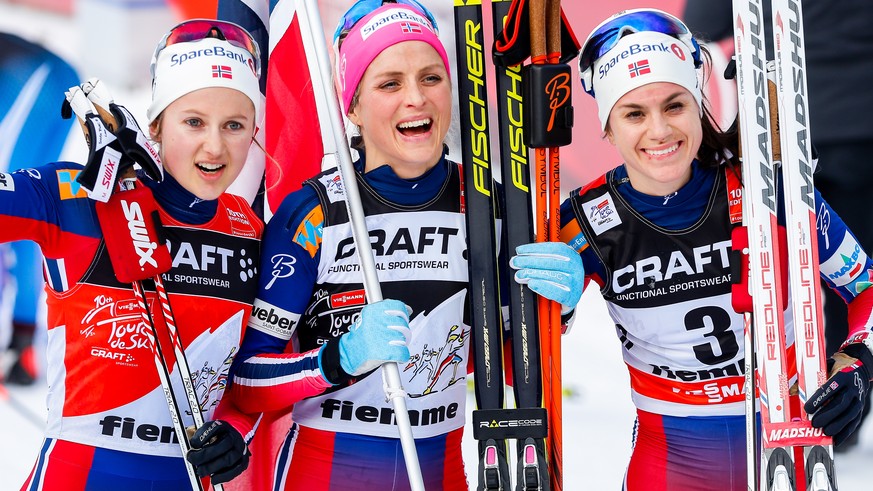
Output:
x,y
669,288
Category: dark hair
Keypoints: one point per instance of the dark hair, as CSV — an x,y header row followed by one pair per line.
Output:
x,y
717,146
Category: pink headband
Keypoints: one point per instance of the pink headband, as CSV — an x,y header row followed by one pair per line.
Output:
x,y
384,27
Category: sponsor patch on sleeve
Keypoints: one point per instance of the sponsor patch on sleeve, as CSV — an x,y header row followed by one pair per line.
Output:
x,y
273,320
571,233
308,234
68,188
847,263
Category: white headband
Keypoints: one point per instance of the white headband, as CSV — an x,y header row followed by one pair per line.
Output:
x,y
185,67
639,59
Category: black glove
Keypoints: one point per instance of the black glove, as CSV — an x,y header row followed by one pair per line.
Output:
x,y
218,450
838,405
115,140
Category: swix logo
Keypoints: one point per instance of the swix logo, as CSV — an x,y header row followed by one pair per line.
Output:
x,y
558,90
139,233
109,172
130,430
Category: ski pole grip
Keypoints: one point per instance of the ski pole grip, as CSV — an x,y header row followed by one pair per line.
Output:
x,y
548,105
133,235
537,22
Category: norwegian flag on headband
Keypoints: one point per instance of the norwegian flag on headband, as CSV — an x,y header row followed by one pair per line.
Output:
x,y
639,68
222,71
291,133
410,28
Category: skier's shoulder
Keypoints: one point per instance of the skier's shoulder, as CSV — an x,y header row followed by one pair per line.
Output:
x,y
50,182
601,180
297,209
241,210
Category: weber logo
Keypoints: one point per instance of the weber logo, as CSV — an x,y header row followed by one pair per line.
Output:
x,y
139,233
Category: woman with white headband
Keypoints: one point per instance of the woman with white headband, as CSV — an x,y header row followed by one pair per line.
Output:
x,y
109,427
313,341
669,289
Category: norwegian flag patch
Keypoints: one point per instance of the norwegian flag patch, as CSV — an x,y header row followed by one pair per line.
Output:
x,y
410,28
637,68
222,71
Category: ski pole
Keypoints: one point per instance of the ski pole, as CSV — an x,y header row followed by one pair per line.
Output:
x,y
532,471
101,99
545,22
553,47
390,371
94,99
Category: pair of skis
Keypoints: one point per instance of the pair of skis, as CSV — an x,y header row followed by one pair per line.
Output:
x,y
795,456
535,342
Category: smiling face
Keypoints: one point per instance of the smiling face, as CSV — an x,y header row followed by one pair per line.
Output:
x,y
656,128
403,109
205,137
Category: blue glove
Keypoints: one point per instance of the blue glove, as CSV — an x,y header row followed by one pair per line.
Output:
x,y
218,450
551,269
379,335
837,406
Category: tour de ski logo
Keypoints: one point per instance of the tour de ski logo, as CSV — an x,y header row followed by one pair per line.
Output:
x,y
443,366
333,184
600,213
120,324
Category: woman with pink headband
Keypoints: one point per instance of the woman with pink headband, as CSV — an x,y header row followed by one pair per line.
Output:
x,y
313,341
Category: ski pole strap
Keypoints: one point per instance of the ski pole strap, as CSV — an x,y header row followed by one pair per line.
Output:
x,y
512,44
133,235
517,423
